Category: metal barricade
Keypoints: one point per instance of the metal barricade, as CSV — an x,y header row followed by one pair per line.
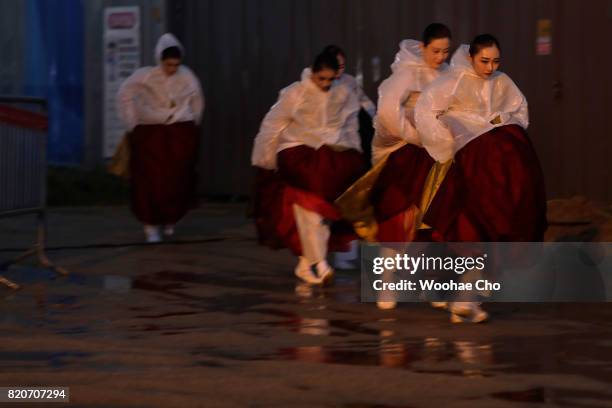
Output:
x,y
23,171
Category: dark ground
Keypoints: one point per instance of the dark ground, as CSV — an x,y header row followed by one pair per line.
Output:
x,y
213,320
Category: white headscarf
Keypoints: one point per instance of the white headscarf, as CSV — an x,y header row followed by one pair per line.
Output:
x,y
166,41
161,99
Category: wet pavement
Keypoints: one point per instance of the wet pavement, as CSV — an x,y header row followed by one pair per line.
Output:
x,y
213,320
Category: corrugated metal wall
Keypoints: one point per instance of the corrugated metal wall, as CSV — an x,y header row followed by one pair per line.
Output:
x,y
245,51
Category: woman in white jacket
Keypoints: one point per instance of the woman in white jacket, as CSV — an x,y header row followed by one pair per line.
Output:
x,y
494,190
308,152
346,79
477,117
397,191
161,107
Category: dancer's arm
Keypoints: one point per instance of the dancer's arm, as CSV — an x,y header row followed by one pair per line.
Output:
x,y
435,136
126,96
391,118
197,102
275,121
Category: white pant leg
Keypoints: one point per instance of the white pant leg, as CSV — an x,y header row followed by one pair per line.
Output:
x,y
314,234
388,275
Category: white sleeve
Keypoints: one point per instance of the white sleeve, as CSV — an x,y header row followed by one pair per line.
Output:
x,y
273,124
366,103
433,102
351,125
126,95
198,103
154,116
521,114
391,115
514,109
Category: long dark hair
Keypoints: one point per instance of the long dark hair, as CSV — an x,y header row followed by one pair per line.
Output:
x,y
325,60
483,41
435,31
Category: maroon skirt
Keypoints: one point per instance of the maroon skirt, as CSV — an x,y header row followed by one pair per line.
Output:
x,y
397,192
162,168
312,179
493,192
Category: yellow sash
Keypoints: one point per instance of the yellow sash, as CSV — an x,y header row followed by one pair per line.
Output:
x,y
119,164
354,204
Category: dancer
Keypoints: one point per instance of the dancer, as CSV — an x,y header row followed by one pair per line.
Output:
x,y
308,152
346,260
396,193
161,107
494,190
383,205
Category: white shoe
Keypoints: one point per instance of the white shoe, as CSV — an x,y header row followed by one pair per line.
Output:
x,y
169,230
439,305
386,304
303,271
152,234
325,272
467,312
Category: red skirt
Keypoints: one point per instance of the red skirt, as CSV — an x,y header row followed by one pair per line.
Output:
x,y
312,179
493,192
397,192
162,168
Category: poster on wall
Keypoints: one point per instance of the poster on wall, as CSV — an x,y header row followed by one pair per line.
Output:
x,y
544,37
122,53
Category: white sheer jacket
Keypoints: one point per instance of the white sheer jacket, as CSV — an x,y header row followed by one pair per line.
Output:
x,y
460,106
365,102
306,115
397,96
150,97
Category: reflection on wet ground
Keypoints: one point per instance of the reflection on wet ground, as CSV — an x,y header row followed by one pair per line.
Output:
x,y
177,313
547,354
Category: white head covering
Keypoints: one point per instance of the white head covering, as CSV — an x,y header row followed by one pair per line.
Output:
x,y
410,54
150,97
166,41
461,58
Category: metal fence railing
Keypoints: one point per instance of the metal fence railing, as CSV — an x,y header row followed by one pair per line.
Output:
x,y
23,171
